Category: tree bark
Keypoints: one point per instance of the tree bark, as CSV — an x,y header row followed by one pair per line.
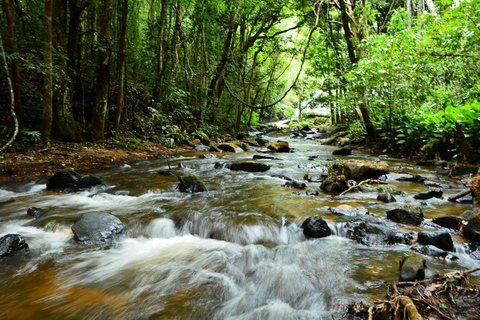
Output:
x,y
160,51
12,48
409,9
348,33
420,7
64,126
121,68
47,103
103,80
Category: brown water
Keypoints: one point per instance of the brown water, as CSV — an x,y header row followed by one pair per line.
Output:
x,y
234,252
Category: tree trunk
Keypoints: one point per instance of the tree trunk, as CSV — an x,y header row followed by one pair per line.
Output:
x,y
12,48
64,126
420,7
408,5
366,120
121,68
348,33
103,80
47,113
431,7
160,52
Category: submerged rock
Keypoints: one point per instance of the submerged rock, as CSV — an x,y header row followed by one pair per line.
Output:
x,y
316,227
406,215
433,251
442,240
279,146
334,184
295,184
69,180
191,184
11,243
348,211
412,178
361,169
429,194
165,173
97,228
249,166
260,157
220,165
35,212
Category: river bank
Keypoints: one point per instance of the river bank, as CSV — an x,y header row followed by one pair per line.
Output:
x,y
31,163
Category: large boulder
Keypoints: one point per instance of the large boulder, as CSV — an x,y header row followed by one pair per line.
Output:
x,y
249,166
279,146
69,180
442,240
361,169
97,228
191,184
316,227
229,147
334,184
413,216
472,230
11,243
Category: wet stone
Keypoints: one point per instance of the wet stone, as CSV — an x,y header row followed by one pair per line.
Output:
x,y
97,228
11,243
69,180
191,184
348,211
315,227
35,212
249,167
442,240
429,194
208,156
295,184
386,197
345,151
451,222
406,215
220,165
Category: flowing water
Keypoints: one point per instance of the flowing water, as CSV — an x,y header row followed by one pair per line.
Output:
x,y
234,252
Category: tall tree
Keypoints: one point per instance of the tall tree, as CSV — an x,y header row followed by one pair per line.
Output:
x,y
12,49
64,126
121,67
47,114
103,78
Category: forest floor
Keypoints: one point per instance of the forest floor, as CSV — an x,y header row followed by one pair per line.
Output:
x,y
31,163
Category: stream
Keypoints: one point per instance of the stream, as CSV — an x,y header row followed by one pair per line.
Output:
x,y
234,252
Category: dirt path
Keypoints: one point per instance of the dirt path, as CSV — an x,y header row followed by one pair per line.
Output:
x,y
30,164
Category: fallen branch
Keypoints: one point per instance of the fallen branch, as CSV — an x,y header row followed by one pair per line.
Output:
x,y
370,181
459,195
409,307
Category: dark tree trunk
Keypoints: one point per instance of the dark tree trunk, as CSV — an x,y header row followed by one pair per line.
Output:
x,y
64,126
348,33
12,48
160,51
121,67
47,113
103,80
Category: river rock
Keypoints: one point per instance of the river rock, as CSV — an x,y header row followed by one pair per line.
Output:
x,y
262,157
69,180
429,194
412,268
191,184
261,141
432,251
386,197
345,151
475,189
361,169
406,215
316,227
221,165
366,230
279,146
11,243
442,240
203,137
472,230
348,211
208,156
35,212
165,173
251,142
249,166
229,147
412,178
295,184
400,237
334,184
201,148
451,222
97,228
